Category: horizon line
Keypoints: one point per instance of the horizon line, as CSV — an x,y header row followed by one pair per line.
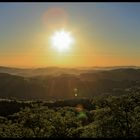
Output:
x,y
34,67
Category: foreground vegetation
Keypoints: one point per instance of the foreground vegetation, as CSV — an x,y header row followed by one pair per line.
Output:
x,y
103,116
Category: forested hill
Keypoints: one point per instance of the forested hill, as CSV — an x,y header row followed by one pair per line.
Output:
x,y
98,117
67,85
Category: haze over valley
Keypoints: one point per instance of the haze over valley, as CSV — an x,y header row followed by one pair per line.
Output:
x,y
60,83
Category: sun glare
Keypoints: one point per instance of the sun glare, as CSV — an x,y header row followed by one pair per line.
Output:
x,y
62,40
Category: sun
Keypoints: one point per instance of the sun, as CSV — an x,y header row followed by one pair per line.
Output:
x,y
62,40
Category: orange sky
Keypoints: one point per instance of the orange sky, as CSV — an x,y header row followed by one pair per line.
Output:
x,y
104,35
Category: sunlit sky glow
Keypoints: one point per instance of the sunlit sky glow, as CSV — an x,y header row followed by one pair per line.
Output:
x,y
105,34
61,40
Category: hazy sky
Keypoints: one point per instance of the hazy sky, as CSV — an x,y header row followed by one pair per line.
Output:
x,y
105,34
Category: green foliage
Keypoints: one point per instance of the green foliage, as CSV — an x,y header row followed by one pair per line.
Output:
x,y
118,116
112,117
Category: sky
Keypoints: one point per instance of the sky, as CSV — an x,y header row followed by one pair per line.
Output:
x,y
105,34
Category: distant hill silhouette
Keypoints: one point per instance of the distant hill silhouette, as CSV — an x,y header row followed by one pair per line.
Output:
x,y
60,83
29,72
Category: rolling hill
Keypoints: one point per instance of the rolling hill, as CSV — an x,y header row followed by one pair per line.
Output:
x,y
60,83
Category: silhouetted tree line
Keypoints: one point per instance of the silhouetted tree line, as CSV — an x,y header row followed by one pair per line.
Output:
x,y
110,116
